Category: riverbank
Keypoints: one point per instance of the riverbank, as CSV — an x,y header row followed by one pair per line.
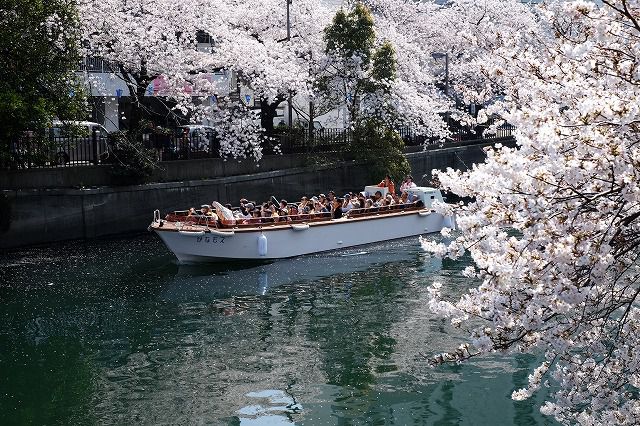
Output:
x,y
39,216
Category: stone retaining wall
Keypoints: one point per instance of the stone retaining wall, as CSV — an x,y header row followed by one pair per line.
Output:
x,y
40,216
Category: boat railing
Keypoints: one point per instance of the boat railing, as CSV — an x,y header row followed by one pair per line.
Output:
x,y
190,219
279,220
318,217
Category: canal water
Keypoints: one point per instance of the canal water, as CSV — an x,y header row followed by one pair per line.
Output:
x,y
115,332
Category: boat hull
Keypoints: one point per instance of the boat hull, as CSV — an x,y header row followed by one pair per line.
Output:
x,y
284,241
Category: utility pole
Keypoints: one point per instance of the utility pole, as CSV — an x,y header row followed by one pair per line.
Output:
x,y
311,112
445,55
289,100
446,73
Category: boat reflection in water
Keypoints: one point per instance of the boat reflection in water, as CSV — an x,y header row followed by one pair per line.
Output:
x,y
204,282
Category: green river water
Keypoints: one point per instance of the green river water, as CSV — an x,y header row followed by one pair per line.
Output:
x,y
116,333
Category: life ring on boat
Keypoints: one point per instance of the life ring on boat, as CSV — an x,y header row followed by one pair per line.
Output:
x,y
424,213
299,226
222,233
192,233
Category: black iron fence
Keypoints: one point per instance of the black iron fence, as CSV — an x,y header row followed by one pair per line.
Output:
x,y
170,147
38,151
96,148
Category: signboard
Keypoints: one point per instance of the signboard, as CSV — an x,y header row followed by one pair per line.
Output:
x,y
246,95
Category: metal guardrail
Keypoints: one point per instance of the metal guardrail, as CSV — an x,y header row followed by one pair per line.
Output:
x,y
92,64
94,149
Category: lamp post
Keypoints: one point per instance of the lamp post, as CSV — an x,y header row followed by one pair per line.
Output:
x,y
445,55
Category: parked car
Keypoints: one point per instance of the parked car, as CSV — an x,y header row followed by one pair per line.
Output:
x,y
78,141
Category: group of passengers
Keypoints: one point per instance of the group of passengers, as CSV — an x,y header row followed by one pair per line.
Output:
x,y
319,206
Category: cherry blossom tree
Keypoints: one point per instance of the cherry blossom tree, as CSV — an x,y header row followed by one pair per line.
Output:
x,y
554,229
148,39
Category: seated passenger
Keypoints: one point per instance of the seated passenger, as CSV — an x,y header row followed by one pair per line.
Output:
x,y
336,208
274,211
247,212
362,201
322,199
265,213
318,207
210,215
347,205
377,199
389,201
284,208
303,203
206,210
255,216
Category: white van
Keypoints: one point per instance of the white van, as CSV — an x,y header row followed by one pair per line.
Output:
x,y
73,142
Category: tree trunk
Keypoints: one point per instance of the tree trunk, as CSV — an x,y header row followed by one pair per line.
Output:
x,y
268,111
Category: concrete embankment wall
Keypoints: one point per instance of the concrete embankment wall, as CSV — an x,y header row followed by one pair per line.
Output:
x,y
38,216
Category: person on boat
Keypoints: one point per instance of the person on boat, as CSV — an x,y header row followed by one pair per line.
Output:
x,y
242,212
377,199
407,184
368,203
318,207
336,208
347,205
323,199
283,211
246,209
265,213
208,213
303,203
390,201
362,201
388,183
206,210
293,210
284,208
404,197
330,197
274,211
255,216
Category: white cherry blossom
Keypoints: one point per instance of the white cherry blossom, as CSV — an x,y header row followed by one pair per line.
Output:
x,y
554,229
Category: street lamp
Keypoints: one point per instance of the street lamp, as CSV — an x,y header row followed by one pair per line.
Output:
x,y
289,103
438,55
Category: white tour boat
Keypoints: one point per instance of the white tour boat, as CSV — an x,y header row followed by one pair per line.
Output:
x,y
195,240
